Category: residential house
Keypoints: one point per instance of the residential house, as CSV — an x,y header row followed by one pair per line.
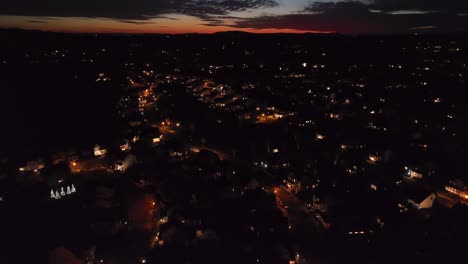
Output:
x,y
457,187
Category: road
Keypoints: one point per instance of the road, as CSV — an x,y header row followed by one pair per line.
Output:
x,y
222,155
134,242
305,230
94,164
448,199
141,212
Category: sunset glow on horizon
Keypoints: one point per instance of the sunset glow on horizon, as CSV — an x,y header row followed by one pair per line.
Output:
x,y
183,25
256,16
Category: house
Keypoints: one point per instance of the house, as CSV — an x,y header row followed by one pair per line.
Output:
x,y
150,136
178,150
457,187
292,184
413,172
279,160
62,255
132,134
319,136
374,158
99,151
123,165
421,199
417,166
125,145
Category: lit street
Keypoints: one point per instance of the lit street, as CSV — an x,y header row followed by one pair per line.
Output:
x,y
305,230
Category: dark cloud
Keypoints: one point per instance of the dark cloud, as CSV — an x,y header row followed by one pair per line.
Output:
x,y
446,6
166,17
222,7
219,20
214,12
124,9
348,7
52,18
136,22
378,16
388,6
37,21
127,9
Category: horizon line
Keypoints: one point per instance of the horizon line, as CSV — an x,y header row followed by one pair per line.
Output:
x,y
234,31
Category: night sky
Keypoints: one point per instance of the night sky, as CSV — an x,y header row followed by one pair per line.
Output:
x,y
206,16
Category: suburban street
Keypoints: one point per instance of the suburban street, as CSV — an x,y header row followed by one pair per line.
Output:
x,y
305,230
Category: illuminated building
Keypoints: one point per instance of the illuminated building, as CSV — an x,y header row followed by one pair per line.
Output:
x,y
99,151
458,188
413,173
